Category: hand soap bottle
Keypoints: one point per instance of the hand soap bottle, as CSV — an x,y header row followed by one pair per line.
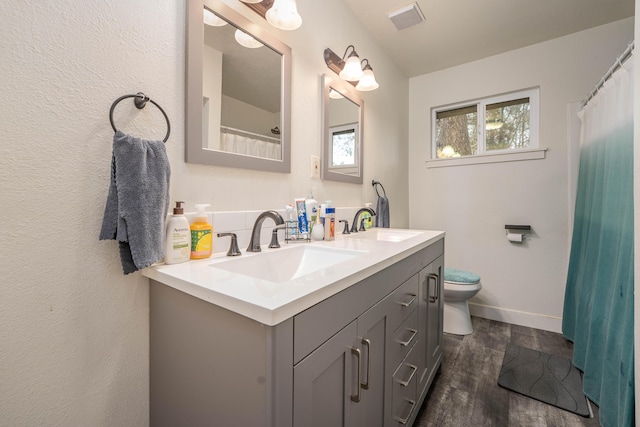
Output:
x,y
201,234
368,219
178,239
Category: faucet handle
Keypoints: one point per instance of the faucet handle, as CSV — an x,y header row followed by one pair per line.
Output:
x,y
346,226
274,236
233,248
362,228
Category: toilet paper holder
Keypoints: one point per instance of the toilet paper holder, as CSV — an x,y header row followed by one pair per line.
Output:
x,y
516,233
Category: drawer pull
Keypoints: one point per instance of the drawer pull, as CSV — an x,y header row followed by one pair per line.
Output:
x,y
407,304
434,298
414,333
367,342
404,420
356,352
414,369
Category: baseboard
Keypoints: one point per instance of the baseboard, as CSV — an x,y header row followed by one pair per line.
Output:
x,y
516,317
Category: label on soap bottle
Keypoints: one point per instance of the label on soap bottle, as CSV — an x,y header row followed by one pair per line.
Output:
x,y
200,243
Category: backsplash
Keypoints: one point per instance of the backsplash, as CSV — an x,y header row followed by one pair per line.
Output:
x,y
241,223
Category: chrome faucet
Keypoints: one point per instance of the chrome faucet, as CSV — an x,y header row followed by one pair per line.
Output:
x,y
356,219
254,243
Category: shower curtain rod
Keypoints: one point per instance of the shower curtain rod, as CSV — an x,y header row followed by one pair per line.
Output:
x,y
625,55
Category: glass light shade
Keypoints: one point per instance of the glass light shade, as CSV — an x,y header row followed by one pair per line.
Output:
x,y
251,1
494,124
246,40
210,18
284,15
368,81
352,71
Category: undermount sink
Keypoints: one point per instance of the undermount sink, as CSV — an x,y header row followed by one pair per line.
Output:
x,y
288,263
385,234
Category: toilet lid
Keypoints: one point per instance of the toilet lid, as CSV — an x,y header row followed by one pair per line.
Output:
x,y
460,276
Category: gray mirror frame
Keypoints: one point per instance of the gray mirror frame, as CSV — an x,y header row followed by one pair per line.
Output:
x,y
194,147
350,93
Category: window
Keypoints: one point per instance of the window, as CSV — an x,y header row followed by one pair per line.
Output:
x,y
500,124
343,146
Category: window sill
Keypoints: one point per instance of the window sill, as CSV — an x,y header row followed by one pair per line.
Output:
x,y
505,156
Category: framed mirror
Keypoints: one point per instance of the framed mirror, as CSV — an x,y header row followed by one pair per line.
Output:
x,y
238,91
343,112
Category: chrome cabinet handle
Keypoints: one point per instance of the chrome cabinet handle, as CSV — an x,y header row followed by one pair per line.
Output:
x,y
356,352
414,333
404,420
414,369
407,304
367,342
433,298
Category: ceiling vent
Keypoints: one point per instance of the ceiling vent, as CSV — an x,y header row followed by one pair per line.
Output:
x,y
407,16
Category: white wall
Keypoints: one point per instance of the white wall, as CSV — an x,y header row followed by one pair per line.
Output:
x,y
73,329
522,284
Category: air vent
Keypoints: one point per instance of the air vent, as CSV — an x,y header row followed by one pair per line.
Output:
x,y
407,17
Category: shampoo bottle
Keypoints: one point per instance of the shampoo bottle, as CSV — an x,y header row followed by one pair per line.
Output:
x,y
201,234
178,243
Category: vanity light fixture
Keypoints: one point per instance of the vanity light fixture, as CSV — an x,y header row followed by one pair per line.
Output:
x,y
246,40
352,69
282,14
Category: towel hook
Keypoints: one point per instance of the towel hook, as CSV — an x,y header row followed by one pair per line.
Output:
x,y
374,183
140,102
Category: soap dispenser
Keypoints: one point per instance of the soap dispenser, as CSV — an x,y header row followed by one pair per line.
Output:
x,y
201,243
178,237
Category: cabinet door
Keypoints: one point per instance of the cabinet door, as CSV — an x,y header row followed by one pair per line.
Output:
x,y
430,318
326,383
373,328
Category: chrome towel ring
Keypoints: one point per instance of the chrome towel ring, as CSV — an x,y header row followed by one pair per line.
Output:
x,y
140,101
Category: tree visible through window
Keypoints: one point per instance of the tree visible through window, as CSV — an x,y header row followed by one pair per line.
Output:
x,y
494,124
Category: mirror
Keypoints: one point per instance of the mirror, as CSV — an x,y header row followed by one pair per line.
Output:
x,y
343,111
238,91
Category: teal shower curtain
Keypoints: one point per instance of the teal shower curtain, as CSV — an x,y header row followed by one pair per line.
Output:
x,y
598,305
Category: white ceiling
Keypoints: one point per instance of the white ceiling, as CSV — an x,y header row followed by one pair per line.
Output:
x,y
460,31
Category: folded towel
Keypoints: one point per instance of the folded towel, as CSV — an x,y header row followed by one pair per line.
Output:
x,y
382,212
138,201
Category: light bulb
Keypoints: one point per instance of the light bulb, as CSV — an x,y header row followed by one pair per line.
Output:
x,y
284,15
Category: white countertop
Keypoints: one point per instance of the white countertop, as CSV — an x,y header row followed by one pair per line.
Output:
x,y
271,303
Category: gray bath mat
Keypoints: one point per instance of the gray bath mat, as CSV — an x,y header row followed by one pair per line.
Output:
x,y
544,377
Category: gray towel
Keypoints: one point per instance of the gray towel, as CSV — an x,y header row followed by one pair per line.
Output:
x,y
382,212
138,201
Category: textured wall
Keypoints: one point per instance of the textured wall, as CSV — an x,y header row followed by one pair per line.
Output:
x,y
521,283
73,329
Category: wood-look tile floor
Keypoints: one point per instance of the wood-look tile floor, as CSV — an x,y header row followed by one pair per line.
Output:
x,y
466,392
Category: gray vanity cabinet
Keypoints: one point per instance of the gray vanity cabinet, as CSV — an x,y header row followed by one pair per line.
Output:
x,y
362,357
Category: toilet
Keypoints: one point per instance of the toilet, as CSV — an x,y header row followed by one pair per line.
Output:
x,y
459,286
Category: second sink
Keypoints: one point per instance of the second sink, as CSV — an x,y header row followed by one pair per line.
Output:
x,y
288,263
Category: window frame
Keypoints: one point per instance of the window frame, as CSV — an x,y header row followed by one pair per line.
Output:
x,y
481,104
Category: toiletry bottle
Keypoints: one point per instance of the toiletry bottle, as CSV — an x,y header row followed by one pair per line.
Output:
x,y
201,234
368,219
317,232
303,224
311,207
330,223
178,240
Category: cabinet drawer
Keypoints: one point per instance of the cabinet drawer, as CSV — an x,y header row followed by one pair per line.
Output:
x,y
405,300
403,339
404,392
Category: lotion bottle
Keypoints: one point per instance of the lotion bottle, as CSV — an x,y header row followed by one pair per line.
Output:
x,y
201,234
178,239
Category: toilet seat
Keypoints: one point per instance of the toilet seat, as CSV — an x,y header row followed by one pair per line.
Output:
x,y
459,286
